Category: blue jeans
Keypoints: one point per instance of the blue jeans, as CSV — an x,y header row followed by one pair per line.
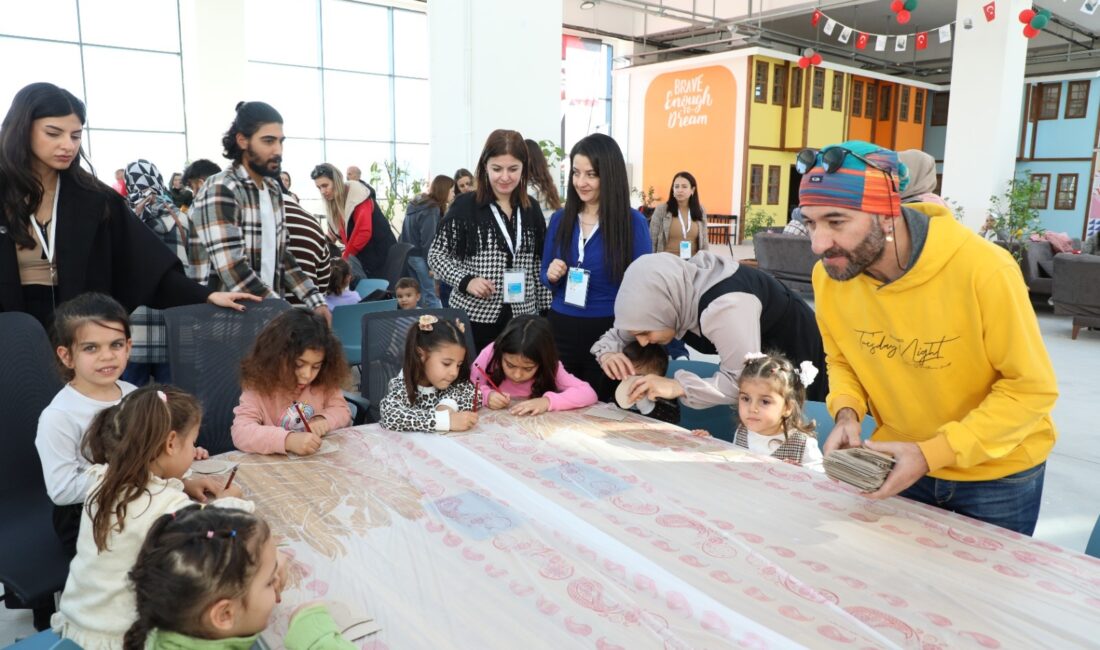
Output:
x,y
1011,502
140,374
428,299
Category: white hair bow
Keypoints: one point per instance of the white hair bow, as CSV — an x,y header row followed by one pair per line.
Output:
x,y
807,372
754,355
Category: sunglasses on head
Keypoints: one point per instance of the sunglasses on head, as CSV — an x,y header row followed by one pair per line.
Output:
x,y
833,159
318,172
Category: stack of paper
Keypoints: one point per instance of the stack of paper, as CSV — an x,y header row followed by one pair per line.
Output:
x,y
859,467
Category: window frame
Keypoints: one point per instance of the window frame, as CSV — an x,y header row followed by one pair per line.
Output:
x,y
779,85
939,113
918,106
1069,99
1071,204
904,94
885,103
870,105
796,88
857,98
1042,104
817,90
838,84
1042,199
756,182
760,86
775,174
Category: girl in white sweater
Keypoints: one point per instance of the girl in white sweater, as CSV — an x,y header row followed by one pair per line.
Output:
x,y
153,432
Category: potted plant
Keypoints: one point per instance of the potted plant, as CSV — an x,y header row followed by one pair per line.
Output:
x,y
754,220
1012,219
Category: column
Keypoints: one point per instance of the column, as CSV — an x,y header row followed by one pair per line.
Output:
x,y
494,64
983,120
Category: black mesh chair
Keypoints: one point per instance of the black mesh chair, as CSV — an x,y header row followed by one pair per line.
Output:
x,y
205,347
33,565
396,259
384,348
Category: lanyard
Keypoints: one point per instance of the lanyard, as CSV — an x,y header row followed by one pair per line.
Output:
x,y
582,241
48,241
517,243
684,227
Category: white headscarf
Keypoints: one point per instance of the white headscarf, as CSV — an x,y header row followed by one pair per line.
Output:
x,y
662,291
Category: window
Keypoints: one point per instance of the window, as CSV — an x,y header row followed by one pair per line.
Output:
x,y
796,87
869,107
918,106
940,102
760,91
773,184
360,92
1077,101
817,97
884,103
84,46
903,104
1039,201
779,85
838,91
756,184
1049,96
857,99
1064,199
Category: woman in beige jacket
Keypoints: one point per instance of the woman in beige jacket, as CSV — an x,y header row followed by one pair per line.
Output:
x,y
680,226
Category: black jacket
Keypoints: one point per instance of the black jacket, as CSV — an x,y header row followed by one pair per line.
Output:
x,y
102,246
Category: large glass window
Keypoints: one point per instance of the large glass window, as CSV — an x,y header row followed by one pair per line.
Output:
x,y
121,57
338,70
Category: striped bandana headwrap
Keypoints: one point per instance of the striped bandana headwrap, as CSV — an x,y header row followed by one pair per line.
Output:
x,y
856,185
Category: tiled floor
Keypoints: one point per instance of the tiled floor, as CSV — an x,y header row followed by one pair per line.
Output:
x,y
1071,496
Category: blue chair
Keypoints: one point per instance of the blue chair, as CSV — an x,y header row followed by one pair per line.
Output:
x,y
1093,547
719,421
367,286
817,411
347,322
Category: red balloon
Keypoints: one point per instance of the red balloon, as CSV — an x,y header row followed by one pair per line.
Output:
x,y
803,62
1030,31
903,16
897,5
1026,15
816,59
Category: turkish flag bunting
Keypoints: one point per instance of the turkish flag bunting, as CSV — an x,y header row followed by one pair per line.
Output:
x,y
816,18
990,11
861,40
922,40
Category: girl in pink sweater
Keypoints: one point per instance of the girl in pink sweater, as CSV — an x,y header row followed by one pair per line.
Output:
x,y
291,383
522,364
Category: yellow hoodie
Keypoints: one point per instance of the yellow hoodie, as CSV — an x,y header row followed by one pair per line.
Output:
x,y
948,356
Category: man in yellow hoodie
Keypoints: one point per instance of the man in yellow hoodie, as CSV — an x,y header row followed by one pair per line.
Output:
x,y
929,327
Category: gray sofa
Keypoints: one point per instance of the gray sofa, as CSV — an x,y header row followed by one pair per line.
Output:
x,y
1077,289
787,257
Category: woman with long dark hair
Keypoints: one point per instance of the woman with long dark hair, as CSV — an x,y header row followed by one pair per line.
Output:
x,y
421,221
63,233
489,245
542,180
679,226
589,244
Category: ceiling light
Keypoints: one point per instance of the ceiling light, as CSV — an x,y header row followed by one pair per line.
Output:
x,y
588,4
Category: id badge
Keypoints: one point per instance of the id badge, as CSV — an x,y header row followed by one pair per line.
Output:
x,y
576,287
515,286
685,249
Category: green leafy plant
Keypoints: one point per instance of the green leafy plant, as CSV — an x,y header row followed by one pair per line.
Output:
x,y
1012,219
754,219
554,157
395,186
648,198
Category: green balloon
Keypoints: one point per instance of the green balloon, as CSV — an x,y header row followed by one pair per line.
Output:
x,y
1045,12
1039,21
910,5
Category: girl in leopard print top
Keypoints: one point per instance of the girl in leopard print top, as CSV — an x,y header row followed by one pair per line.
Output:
x,y
433,393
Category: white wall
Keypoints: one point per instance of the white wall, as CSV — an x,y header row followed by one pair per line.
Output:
x,y
494,64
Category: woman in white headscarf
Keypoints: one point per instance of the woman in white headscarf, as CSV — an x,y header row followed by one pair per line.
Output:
x,y
919,184
716,306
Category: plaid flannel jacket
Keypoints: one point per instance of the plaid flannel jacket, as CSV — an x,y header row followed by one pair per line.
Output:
x,y
226,214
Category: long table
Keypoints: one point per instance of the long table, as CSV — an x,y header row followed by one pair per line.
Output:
x,y
570,531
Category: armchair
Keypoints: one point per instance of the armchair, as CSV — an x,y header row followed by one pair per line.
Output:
x,y
1077,289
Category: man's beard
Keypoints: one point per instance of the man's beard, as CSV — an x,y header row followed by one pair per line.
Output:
x,y
260,166
866,253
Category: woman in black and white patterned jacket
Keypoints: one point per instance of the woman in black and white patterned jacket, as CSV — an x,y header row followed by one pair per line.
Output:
x,y
492,262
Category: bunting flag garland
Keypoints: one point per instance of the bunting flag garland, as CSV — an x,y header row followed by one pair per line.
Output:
x,y
1089,6
901,41
990,11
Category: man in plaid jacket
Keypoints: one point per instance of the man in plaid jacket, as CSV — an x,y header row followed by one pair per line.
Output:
x,y
240,217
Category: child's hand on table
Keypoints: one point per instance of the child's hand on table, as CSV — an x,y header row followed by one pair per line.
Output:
x,y
201,453
463,420
302,443
536,406
320,425
700,433
201,488
498,401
